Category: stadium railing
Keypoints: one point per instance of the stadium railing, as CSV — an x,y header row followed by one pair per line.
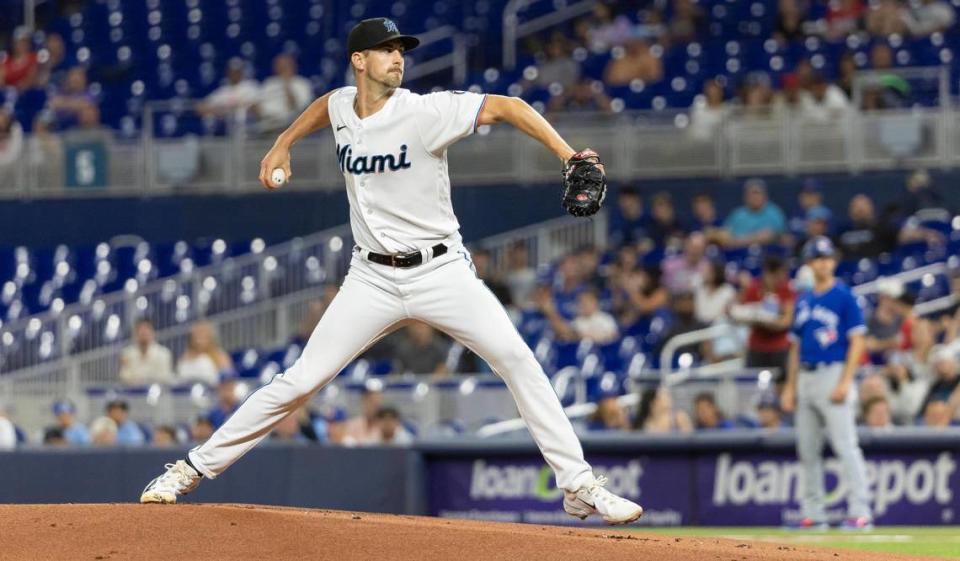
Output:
x,y
262,312
634,144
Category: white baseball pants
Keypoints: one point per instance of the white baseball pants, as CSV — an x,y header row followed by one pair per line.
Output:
x,y
373,300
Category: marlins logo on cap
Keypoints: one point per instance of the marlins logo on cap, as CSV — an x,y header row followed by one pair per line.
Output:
x,y
391,27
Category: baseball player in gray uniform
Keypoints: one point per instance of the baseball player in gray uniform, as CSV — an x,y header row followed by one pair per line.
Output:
x,y
409,264
827,344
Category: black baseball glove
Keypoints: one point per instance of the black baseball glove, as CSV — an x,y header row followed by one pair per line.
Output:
x,y
584,184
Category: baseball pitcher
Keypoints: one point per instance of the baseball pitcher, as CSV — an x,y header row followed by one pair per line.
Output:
x,y
409,262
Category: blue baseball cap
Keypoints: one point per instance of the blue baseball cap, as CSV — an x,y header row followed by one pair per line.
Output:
x,y
62,406
819,213
820,246
810,185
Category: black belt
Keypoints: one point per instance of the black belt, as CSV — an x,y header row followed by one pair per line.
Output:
x,y
404,260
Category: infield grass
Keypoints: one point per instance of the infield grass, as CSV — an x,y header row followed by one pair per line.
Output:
x,y
939,541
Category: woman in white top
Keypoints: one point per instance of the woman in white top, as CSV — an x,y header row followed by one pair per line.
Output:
x,y
204,359
713,294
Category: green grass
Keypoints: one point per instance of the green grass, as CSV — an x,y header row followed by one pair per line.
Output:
x,y
940,541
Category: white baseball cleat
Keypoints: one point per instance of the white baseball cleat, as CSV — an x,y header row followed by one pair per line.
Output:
x,y
179,479
593,498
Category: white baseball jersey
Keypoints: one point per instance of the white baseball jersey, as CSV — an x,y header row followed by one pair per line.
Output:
x,y
395,166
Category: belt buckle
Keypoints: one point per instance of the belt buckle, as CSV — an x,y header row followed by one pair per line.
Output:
x,y
393,260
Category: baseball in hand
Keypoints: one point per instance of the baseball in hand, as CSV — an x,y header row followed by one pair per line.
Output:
x,y
278,177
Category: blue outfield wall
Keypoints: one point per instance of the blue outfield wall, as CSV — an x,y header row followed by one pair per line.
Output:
x,y
732,479
280,215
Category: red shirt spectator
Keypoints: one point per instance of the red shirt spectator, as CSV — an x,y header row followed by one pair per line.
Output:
x,y
20,66
764,340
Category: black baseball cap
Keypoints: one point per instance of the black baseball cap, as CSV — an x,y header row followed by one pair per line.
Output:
x,y
375,31
820,246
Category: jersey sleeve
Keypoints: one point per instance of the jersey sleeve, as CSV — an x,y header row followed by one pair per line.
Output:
x,y
853,316
449,116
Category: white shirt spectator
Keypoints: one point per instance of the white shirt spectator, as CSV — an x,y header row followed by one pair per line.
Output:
x,y
8,434
705,120
832,107
929,17
599,327
200,368
233,96
275,108
153,366
711,304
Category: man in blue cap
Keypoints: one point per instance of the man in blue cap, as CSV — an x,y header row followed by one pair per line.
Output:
x,y
828,340
74,432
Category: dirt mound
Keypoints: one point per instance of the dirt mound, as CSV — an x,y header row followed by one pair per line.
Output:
x,y
227,532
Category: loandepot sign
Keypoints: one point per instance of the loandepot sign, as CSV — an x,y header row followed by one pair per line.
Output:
x,y
490,482
918,482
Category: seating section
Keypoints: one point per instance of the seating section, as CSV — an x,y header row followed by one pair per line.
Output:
x,y
143,50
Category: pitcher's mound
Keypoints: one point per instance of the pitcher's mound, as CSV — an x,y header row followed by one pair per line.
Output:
x,y
232,532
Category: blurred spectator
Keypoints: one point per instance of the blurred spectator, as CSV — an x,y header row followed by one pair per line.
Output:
x,y
919,193
363,428
145,361
937,414
73,97
558,67
229,396
629,223
769,416
927,17
520,277
43,147
664,228
589,323
315,310
103,432
843,18
705,217
422,351
128,431
204,360
712,294
585,95
634,62
484,270
945,386
610,415
708,111
865,235
682,319
164,435
567,285
755,96
11,147
684,272
791,17
785,103
767,307
237,92
336,420
390,428
289,429
817,224
201,430
847,74
876,413
73,431
53,436
825,103
604,30
687,21
8,433
52,61
707,415
809,197
20,66
885,18
881,56
759,221
905,391
284,95
641,296
656,413
885,327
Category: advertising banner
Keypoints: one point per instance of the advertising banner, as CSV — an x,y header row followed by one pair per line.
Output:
x,y
714,489
523,489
